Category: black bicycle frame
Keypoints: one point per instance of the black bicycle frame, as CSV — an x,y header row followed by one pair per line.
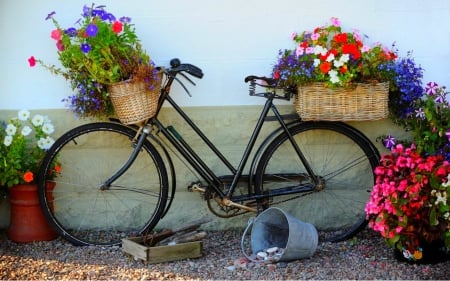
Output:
x,y
206,173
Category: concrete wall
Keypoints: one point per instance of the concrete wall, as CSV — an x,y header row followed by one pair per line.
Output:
x,y
228,127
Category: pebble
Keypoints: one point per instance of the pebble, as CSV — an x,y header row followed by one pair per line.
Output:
x,y
367,257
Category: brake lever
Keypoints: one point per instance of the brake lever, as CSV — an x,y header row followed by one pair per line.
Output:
x,y
187,78
182,85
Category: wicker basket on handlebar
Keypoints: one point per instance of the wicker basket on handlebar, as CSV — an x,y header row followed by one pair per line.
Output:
x,y
133,102
364,102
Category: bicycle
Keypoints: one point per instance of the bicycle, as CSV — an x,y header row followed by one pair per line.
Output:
x,y
320,172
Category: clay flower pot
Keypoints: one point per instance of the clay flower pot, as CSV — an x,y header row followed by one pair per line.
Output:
x,y
28,223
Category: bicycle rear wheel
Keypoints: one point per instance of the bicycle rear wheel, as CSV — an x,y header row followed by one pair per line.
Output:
x,y
82,212
342,159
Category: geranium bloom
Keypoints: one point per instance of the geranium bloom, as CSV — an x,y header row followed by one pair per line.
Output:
x,y
117,27
28,177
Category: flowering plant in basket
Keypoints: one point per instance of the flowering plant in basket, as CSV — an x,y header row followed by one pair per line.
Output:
x,y
24,141
99,51
409,203
334,57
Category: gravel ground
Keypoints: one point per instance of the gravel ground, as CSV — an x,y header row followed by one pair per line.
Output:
x,y
366,256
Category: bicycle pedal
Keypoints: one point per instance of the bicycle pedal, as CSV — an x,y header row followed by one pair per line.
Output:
x,y
196,187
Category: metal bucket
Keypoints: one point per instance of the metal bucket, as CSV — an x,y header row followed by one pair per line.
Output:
x,y
276,228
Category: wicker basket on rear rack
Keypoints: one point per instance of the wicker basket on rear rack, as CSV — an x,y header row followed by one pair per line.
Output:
x,y
133,102
361,103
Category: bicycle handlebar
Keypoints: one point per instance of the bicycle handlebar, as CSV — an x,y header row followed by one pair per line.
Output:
x,y
177,66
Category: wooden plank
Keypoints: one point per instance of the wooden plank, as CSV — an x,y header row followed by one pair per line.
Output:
x,y
159,254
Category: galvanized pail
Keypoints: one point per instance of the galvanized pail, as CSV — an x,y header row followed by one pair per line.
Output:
x,y
275,228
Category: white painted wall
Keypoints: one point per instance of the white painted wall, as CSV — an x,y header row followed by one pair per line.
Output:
x,y
228,39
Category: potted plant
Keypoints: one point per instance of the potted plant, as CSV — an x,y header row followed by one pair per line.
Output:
x,y
101,51
334,71
409,204
24,141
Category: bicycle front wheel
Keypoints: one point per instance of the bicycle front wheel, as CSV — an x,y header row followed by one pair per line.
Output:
x,y
343,162
83,212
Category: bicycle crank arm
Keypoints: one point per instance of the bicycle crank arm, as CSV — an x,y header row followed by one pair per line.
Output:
x,y
227,202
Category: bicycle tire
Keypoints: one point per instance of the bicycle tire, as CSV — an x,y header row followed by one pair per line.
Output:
x,y
78,209
341,157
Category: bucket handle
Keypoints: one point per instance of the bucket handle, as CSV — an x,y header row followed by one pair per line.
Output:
x,y
249,224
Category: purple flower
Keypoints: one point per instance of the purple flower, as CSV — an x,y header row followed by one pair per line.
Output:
x,y
125,19
389,141
49,16
72,32
91,30
85,48
439,99
420,113
431,88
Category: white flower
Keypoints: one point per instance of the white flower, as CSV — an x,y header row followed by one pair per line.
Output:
x,y
8,140
11,130
334,76
344,58
320,50
24,115
45,143
447,184
330,57
316,62
338,63
48,128
37,120
26,130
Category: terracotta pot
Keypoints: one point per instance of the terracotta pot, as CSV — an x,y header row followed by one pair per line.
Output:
x,y
28,223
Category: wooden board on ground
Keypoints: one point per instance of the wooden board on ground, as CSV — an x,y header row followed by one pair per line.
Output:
x,y
134,246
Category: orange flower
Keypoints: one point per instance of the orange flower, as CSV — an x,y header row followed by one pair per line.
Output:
x,y
28,176
57,168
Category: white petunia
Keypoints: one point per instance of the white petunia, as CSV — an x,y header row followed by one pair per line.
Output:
x,y
320,50
37,120
344,58
330,58
334,76
11,130
24,114
26,130
338,63
8,140
45,143
316,62
48,128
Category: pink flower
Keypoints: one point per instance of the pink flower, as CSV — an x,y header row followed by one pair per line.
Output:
x,y
32,61
56,34
335,21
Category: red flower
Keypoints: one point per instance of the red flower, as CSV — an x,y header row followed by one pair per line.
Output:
x,y
31,61
28,177
276,75
325,67
351,49
117,27
340,38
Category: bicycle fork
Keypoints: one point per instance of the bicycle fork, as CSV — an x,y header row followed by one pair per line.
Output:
x,y
138,140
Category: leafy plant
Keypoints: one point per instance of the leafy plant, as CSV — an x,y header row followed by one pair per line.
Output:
x,y
101,51
24,142
409,201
